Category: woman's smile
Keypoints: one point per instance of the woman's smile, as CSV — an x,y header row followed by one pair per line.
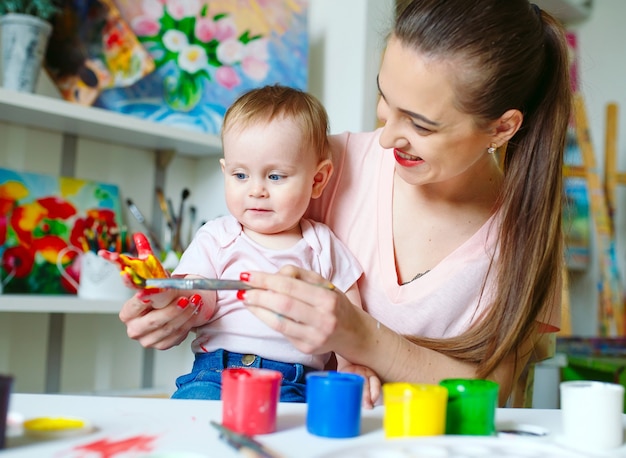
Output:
x,y
406,160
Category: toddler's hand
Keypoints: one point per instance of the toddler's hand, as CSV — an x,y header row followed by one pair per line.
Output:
x,y
135,271
371,386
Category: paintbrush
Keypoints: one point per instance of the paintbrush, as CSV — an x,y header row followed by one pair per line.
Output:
x,y
164,209
142,220
192,224
246,445
177,245
214,284
169,218
170,207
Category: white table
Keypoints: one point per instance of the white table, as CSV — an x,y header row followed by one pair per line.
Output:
x,y
181,429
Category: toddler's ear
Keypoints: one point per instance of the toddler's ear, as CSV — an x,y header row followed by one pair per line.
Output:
x,y
321,178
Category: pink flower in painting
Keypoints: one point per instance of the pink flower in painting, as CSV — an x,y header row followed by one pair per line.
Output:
x,y
205,29
255,68
230,51
225,29
152,9
145,26
180,9
203,45
258,49
227,77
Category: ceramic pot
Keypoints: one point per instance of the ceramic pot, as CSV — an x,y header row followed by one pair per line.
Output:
x,y
24,40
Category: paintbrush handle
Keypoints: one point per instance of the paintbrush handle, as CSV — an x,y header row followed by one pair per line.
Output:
x,y
244,444
197,283
164,209
192,223
142,220
136,213
177,242
170,208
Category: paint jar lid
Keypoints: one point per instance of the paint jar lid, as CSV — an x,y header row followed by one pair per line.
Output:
x,y
56,427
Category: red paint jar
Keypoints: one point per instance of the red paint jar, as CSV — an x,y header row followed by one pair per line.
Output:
x,y
250,399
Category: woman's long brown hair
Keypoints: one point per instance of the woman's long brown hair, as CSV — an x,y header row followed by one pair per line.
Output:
x,y
511,55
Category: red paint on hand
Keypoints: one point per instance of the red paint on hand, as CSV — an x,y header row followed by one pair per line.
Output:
x,y
137,270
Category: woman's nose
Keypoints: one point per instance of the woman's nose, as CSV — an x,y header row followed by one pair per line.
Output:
x,y
392,136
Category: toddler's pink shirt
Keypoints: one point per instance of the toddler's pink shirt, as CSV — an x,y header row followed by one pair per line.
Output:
x,y
357,206
220,249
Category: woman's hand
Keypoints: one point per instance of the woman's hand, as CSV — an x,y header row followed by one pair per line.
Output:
x,y
304,307
164,320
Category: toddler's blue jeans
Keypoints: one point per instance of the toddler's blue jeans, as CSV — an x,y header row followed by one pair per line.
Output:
x,y
205,379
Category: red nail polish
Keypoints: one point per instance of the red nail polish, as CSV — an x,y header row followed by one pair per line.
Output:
x,y
241,294
244,276
196,300
182,303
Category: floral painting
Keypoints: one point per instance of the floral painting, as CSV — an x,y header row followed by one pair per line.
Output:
x,y
40,217
207,53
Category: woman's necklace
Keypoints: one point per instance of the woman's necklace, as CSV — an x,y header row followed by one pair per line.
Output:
x,y
421,274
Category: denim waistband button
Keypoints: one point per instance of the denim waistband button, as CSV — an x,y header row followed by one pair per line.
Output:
x,y
247,360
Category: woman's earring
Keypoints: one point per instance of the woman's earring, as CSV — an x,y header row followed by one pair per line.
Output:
x,y
492,148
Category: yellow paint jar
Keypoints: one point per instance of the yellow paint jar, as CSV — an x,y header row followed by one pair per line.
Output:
x,y
414,409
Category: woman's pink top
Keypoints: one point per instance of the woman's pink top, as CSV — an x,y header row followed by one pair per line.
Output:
x,y
357,205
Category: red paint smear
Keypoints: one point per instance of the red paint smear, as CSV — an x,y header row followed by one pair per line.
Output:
x,y
106,448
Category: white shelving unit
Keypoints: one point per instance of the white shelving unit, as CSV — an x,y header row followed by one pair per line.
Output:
x,y
41,303
57,115
48,113
53,114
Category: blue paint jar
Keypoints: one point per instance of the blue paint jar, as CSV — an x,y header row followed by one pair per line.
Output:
x,y
334,403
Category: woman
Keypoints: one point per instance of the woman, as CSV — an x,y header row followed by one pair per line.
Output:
x,y
462,257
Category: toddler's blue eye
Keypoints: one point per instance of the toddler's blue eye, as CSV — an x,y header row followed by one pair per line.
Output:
x,y
240,176
274,177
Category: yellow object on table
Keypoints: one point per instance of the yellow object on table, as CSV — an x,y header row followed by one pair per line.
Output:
x,y
55,427
414,409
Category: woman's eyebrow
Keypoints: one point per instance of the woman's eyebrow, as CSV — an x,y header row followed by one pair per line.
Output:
x,y
409,113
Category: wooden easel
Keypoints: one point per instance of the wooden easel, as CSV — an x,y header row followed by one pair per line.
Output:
x,y
612,177
611,306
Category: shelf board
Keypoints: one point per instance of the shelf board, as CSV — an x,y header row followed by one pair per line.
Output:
x,y
58,115
41,303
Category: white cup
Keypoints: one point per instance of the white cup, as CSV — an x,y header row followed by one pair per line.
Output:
x,y
592,414
99,278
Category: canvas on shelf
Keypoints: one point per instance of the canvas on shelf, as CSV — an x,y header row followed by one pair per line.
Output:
x,y
41,217
92,49
207,53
